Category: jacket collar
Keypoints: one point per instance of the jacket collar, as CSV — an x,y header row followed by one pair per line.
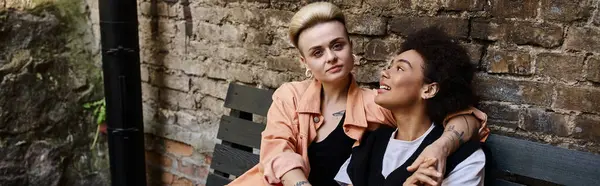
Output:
x,y
310,102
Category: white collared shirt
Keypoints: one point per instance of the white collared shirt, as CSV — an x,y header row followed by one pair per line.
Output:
x,y
469,172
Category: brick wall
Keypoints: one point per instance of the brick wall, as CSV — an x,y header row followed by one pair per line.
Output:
x,y
539,65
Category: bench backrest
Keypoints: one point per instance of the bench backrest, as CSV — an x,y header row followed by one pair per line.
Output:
x,y
520,162
510,161
239,134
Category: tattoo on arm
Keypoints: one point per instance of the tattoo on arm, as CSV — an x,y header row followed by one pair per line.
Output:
x,y
300,183
457,134
339,113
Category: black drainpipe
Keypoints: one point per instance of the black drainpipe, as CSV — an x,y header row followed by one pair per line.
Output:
x,y
123,92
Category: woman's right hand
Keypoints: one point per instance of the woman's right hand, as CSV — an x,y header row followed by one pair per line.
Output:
x,y
426,174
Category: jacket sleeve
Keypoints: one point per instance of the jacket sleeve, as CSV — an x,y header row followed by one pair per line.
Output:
x,y
279,144
484,131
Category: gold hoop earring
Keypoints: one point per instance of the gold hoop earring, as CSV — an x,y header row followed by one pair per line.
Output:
x,y
308,73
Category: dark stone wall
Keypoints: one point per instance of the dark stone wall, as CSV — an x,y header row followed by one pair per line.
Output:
x,y
47,72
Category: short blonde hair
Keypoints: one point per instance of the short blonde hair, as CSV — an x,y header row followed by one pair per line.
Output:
x,y
312,14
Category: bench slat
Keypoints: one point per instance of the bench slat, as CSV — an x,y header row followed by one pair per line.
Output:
x,y
232,161
248,99
240,131
216,180
544,162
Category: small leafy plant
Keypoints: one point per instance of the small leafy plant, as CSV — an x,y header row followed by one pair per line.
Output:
x,y
99,114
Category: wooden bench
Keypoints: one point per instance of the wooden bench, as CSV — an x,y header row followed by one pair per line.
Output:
x,y
510,161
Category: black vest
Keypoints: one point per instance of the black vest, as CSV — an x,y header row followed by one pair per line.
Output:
x,y
367,159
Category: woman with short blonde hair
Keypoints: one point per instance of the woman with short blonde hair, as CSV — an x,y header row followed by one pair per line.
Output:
x,y
320,119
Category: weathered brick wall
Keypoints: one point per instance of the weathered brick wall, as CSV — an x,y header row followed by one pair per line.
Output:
x,y
539,65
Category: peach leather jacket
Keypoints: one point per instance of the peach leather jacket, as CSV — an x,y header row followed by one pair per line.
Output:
x,y
295,116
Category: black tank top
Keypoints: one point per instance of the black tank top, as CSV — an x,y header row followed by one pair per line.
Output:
x,y
326,157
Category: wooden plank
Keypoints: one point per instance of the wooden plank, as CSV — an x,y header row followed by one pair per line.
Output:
x,y
248,99
216,180
544,162
499,182
240,131
232,161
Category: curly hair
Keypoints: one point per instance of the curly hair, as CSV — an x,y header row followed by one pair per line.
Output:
x,y
447,63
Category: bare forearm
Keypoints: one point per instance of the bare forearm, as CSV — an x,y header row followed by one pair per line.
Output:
x,y
458,130
295,177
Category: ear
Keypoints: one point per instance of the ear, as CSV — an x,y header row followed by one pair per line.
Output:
x,y
429,90
302,60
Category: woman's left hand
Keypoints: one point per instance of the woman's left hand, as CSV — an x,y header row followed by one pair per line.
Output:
x,y
433,151
425,174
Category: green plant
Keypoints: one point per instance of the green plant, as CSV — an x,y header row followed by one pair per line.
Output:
x,y
99,114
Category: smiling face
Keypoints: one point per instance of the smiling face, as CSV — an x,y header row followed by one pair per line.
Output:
x,y
326,51
403,83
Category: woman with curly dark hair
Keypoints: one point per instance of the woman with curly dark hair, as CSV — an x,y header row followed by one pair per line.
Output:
x,y
427,79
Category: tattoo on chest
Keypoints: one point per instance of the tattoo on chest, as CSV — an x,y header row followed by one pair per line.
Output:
x,y
300,183
339,113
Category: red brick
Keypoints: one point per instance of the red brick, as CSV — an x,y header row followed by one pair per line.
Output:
x,y
167,178
577,98
154,158
260,1
366,25
182,182
378,49
276,17
518,32
462,5
587,127
507,62
210,87
258,37
157,176
583,39
272,79
488,29
368,73
501,114
173,81
176,99
187,168
597,18
348,3
284,63
178,148
559,66
566,11
514,8
149,92
539,120
404,26
593,69
202,172
475,52
145,73
358,44
522,92
378,6
207,159
533,33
